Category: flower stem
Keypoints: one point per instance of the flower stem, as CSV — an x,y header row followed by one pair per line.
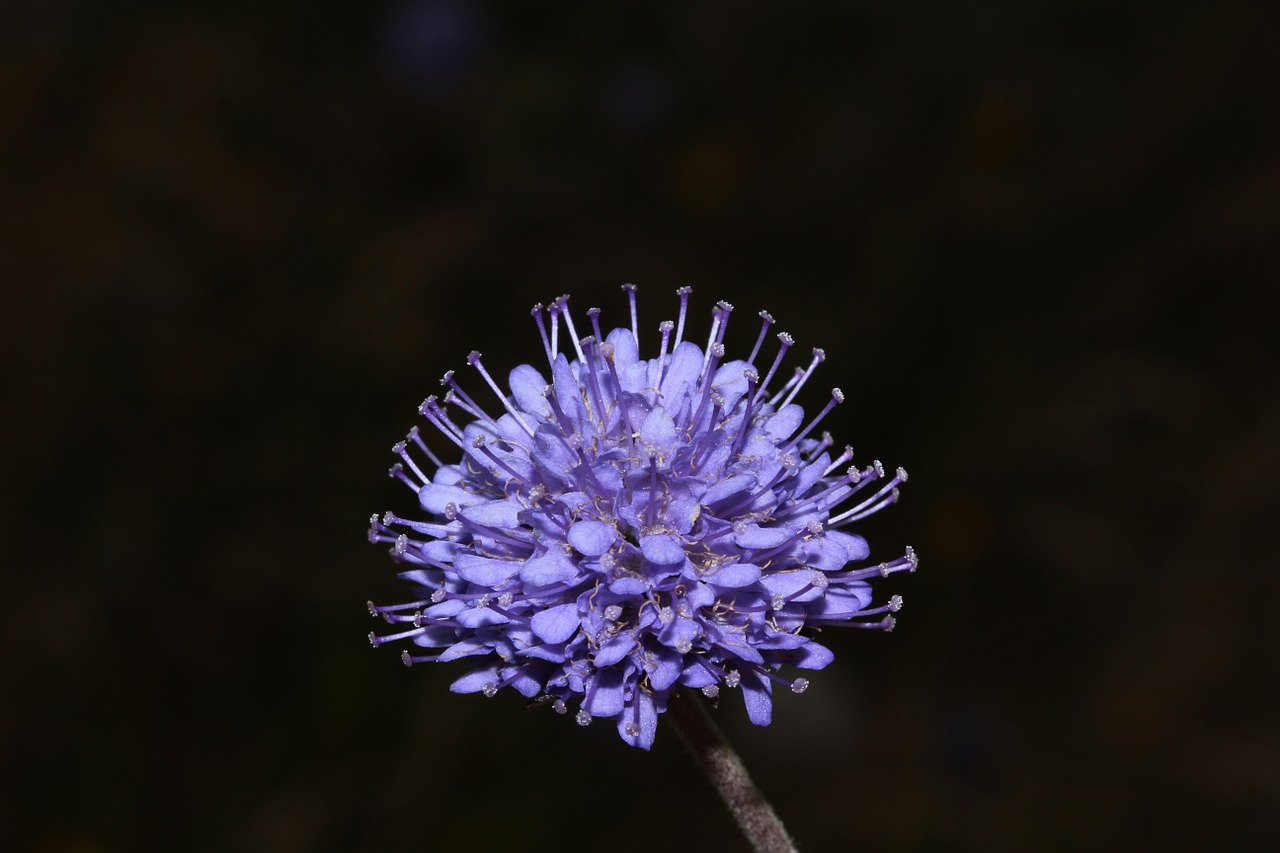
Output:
x,y
688,714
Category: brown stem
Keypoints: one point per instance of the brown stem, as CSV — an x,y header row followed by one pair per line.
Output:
x,y
687,712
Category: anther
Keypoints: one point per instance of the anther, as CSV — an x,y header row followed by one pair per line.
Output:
x,y
489,690
559,707
800,685
632,729
582,717
613,612
895,603
711,691
732,678
684,645
406,658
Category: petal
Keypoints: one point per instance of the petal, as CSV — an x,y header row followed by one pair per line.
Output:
x,y
629,586
785,421
667,666
640,710
735,575
527,387
662,549
756,536
728,488
556,624
550,568
757,695
480,617
484,571
474,681
592,538
787,583
658,433
615,649
606,696
434,496
683,368
500,514
812,655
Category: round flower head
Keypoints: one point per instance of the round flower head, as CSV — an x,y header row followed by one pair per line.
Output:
x,y
628,525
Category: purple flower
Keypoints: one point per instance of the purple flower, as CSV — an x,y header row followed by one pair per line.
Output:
x,y
633,525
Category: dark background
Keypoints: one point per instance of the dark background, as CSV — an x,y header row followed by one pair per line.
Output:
x,y
1038,241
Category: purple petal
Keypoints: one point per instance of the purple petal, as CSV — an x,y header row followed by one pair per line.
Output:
x,y
592,538
615,649
667,666
527,386
662,549
758,537
556,624
474,681
480,617
434,496
647,718
784,422
606,695
658,433
812,655
500,514
736,575
484,571
757,695
628,586
550,568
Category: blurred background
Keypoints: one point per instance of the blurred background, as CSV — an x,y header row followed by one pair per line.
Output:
x,y
242,241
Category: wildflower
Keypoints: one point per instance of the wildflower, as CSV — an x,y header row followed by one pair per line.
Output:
x,y
634,525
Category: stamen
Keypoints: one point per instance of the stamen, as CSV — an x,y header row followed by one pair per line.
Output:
x,y
397,471
594,315
474,360
542,331
784,343
885,496
479,443
719,322
563,302
819,356
553,310
766,321
593,383
683,293
430,410
635,324
665,328
400,448
715,352
422,445
837,397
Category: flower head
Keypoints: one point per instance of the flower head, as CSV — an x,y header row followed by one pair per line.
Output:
x,y
628,525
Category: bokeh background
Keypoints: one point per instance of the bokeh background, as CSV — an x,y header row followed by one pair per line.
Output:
x,y
1038,241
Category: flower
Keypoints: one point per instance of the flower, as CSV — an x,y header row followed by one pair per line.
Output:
x,y
634,525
